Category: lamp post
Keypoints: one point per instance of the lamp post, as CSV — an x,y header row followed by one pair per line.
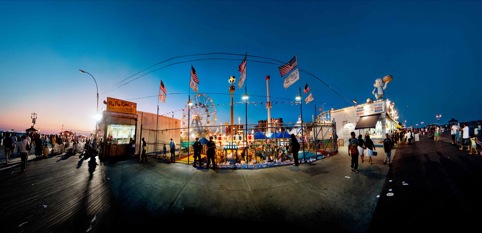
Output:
x,y
34,119
231,81
97,89
245,99
438,116
189,105
298,99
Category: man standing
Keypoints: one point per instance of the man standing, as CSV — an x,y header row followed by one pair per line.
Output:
x,y
453,132
8,147
24,149
172,146
387,147
197,147
295,148
144,149
211,152
465,137
353,152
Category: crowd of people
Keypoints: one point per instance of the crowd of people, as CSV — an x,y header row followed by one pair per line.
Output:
x,y
45,145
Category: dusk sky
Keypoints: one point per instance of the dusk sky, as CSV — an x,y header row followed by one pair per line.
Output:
x,y
431,48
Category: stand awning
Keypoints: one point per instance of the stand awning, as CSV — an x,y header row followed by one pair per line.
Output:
x,y
367,121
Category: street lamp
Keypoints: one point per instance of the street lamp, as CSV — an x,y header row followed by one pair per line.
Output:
x,y
245,99
298,99
97,106
189,105
438,116
34,119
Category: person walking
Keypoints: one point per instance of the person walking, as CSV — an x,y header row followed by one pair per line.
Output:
x,y
144,149
172,148
295,148
38,145
353,152
453,133
473,145
361,147
370,148
211,150
465,137
8,147
132,147
24,150
387,147
197,147
164,150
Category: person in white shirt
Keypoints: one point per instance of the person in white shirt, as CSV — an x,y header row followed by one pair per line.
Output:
x,y
453,132
465,137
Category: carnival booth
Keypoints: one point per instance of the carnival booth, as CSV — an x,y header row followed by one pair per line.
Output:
x,y
118,126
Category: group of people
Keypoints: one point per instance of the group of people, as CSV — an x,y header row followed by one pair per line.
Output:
x,y
210,153
358,146
23,148
467,140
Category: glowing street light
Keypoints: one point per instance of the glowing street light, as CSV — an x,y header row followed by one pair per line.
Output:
x,y
34,119
298,99
97,106
245,98
438,116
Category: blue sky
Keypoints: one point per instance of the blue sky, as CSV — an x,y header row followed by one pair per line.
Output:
x,y
431,49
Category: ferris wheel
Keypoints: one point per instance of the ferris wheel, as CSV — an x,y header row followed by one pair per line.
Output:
x,y
202,115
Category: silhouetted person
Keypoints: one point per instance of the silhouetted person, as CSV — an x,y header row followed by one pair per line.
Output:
x,y
295,148
211,151
197,147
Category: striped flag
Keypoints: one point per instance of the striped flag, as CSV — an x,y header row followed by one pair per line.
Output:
x,y
292,78
286,68
242,71
194,75
162,87
162,97
194,79
307,89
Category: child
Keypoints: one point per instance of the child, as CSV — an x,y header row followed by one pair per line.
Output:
x,y
473,144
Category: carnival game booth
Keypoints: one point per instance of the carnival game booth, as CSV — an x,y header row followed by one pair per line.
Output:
x,y
118,126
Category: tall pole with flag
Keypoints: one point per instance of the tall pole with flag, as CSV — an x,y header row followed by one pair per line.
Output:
x,y
193,82
157,116
162,97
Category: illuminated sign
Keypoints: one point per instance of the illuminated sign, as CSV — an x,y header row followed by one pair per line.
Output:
x,y
370,109
122,106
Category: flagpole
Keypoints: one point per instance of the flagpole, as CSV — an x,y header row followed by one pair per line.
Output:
x,y
188,117
157,117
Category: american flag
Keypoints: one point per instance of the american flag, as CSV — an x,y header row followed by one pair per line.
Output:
x,y
307,88
162,97
163,88
194,75
242,71
286,68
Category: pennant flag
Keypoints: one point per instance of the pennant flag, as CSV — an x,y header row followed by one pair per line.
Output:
x,y
242,71
163,88
309,98
162,97
292,78
194,79
307,88
286,68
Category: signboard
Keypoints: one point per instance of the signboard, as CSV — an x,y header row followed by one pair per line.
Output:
x,y
370,109
121,106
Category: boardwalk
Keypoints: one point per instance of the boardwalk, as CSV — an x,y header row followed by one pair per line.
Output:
x,y
68,194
